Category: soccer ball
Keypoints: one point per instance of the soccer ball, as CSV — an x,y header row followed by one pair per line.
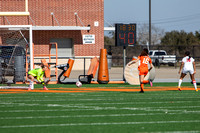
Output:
x,y
78,84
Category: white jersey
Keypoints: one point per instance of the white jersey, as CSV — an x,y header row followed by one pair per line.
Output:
x,y
188,65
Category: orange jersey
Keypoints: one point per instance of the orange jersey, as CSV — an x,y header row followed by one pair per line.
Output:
x,y
143,67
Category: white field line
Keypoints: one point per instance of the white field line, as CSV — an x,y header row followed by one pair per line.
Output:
x,y
156,96
94,95
82,107
100,124
102,94
83,116
94,108
177,132
95,98
10,104
175,100
137,102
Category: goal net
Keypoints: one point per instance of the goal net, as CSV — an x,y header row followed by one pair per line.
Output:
x,y
15,55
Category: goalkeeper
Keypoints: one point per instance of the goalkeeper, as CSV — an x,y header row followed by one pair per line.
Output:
x,y
38,74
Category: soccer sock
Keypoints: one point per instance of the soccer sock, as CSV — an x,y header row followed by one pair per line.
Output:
x,y
43,84
31,84
145,81
195,84
142,87
180,82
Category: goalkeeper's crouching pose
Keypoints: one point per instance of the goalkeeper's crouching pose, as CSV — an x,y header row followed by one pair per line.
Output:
x,y
38,74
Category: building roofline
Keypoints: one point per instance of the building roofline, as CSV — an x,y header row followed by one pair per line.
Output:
x,y
60,28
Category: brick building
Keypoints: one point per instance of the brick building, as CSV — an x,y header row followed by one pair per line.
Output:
x,y
64,21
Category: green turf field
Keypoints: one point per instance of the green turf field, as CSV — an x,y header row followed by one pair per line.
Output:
x,y
101,112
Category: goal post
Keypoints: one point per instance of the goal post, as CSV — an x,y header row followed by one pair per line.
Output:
x,y
16,44
5,11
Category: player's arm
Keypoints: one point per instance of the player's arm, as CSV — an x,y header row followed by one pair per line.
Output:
x,y
40,77
181,66
151,65
194,66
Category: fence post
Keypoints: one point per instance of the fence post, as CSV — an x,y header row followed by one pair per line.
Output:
x,y
175,64
84,66
193,51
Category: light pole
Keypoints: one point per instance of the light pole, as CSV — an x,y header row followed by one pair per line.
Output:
x,y
150,24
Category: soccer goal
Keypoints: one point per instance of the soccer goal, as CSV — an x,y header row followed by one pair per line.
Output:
x,y
16,56
14,8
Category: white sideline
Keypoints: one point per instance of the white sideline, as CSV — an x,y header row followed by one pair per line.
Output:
x,y
176,132
11,87
81,116
95,99
99,124
106,108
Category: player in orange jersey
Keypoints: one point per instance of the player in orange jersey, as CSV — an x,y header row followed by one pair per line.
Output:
x,y
143,68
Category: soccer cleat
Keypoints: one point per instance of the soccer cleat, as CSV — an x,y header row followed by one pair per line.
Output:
x,y
29,88
196,90
45,88
179,89
151,84
141,92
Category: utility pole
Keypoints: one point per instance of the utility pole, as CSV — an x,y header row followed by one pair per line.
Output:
x,y
150,24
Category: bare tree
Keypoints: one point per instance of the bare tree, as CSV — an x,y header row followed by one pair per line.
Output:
x,y
143,34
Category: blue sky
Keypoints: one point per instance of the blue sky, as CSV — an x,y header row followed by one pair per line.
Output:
x,y
166,14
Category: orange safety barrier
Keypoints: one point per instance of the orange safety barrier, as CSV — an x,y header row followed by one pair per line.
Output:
x,y
103,75
71,63
91,71
93,67
48,71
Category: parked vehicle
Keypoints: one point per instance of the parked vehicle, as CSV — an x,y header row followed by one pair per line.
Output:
x,y
160,57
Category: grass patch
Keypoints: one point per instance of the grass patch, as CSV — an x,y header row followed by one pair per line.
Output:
x,y
107,112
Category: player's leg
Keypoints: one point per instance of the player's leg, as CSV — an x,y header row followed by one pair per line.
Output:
x,y
31,77
193,81
45,88
141,77
181,80
146,81
44,85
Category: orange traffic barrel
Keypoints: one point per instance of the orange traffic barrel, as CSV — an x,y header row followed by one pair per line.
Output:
x,y
103,75
71,63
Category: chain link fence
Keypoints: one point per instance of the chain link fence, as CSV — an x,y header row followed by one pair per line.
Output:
x,y
131,51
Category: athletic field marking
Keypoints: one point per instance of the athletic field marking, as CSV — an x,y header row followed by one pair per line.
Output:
x,y
97,89
87,108
4,104
100,124
176,132
174,99
86,105
81,116
9,104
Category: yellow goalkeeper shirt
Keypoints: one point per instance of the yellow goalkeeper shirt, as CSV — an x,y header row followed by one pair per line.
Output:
x,y
38,73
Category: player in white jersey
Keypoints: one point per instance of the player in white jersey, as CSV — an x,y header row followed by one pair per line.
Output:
x,y
188,66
